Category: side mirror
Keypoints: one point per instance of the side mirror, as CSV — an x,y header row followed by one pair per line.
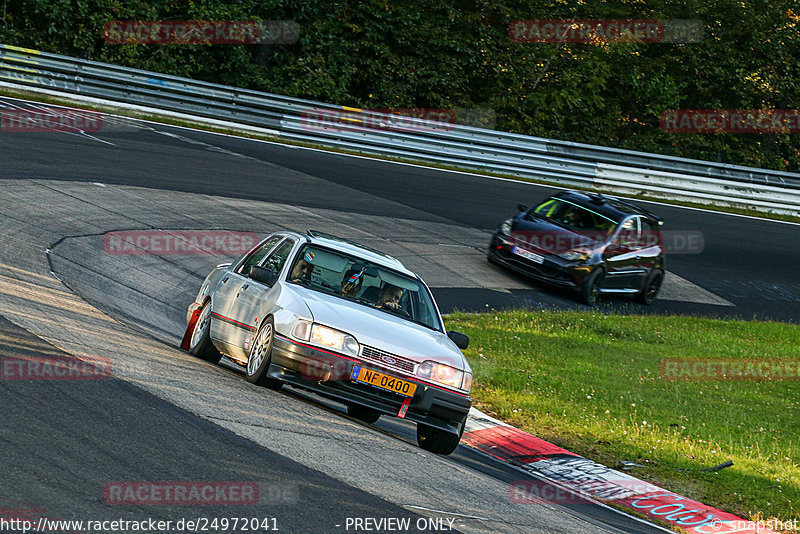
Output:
x,y
263,275
522,207
461,340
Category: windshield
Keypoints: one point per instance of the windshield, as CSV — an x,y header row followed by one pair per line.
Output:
x,y
353,278
575,218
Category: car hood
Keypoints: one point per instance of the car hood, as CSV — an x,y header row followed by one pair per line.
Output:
x,y
382,330
545,236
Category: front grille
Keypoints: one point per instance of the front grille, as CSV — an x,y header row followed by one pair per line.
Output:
x,y
378,355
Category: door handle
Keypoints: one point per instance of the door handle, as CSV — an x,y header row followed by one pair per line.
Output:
x,y
244,287
224,280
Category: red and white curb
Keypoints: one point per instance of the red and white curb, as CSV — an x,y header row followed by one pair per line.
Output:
x,y
595,481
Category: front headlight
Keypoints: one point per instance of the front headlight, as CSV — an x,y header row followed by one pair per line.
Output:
x,y
441,374
505,228
302,330
333,339
466,385
581,254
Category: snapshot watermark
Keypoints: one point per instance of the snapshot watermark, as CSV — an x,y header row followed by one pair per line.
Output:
x,y
606,31
181,493
49,120
673,369
564,242
395,119
55,368
178,242
762,525
192,32
730,121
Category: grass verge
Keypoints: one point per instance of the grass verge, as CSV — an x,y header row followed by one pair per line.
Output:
x,y
592,383
165,119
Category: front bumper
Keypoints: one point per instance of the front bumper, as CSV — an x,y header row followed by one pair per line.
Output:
x,y
328,374
552,270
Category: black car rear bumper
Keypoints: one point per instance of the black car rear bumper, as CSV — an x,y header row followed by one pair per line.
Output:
x,y
328,374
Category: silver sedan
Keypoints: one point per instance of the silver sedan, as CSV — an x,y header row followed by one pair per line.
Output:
x,y
345,321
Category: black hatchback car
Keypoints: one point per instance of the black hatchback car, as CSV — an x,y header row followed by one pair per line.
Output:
x,y
590,243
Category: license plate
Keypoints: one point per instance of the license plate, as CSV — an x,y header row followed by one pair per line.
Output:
x,y
528,255
382,381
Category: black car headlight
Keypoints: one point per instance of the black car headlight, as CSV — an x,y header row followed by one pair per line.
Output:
x,y
577,254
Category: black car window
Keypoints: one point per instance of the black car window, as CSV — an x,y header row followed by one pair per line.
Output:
x,y
651,235
573,216
276,260
628,237
257,255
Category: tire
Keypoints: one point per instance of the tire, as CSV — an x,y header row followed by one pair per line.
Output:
x,y
261,355
590,292
436,440
651,287
362,413
200,344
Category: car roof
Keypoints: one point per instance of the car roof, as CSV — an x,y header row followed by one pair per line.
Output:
x,y
355,249
611,207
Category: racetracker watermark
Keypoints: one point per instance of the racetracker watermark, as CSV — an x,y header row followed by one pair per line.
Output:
x,y
55,368
323,371
730,369
576,491
395,119
192,32
562,242
181,493
49,120
605,31
542,492
731,121
178,242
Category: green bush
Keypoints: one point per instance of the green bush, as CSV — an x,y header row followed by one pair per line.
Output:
x,y
442,54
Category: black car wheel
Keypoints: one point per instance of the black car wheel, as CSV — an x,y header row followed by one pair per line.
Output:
x,y
437,440
651,288
260,356
200,344
362,413
590,291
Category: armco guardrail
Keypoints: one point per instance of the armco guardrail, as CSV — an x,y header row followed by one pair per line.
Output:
x,y
566,163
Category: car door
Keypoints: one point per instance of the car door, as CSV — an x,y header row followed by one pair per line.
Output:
x,y
651,247
623,257
222,328
252,298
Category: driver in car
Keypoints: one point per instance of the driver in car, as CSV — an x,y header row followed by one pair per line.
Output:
x,y
302,272
390,296
575,218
